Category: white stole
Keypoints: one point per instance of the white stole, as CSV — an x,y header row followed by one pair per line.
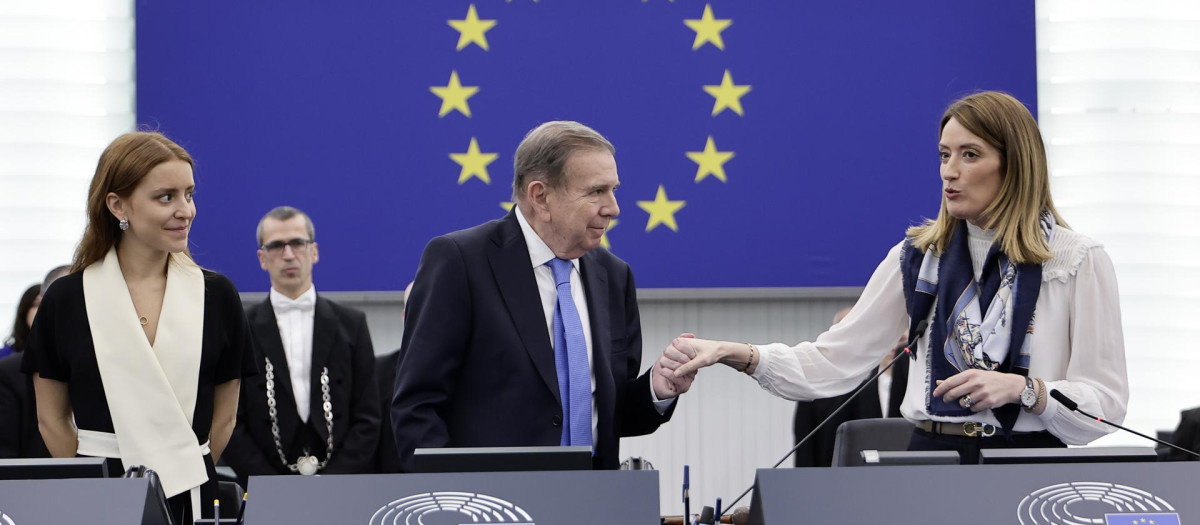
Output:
x,y
151,390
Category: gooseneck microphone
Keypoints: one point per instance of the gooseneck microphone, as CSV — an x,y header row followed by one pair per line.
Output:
x,y
1071,405
912,341
907,352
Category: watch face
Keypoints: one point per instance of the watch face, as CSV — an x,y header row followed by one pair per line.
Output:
x,y
1028,397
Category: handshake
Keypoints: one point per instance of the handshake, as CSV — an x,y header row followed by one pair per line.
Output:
x,y
676,368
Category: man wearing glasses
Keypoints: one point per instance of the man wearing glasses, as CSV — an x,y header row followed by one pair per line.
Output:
x,y
315,407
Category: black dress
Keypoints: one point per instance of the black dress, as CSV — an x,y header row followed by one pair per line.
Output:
x,y
60,348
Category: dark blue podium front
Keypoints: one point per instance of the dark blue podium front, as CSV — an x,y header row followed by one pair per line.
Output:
x,y
1079,493
109,501
543,498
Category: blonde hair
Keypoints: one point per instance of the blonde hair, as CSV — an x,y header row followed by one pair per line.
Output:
x,y
1006,124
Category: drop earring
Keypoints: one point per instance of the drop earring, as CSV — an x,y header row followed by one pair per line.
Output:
x,y
123,224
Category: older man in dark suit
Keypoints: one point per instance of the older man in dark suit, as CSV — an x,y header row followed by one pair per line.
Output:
x,y
315,409
522,331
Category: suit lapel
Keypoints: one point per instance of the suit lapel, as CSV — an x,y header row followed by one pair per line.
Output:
x,y
595,285
509,258
266,334
325,331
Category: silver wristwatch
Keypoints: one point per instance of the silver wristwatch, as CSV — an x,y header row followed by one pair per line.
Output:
x,y
1029,397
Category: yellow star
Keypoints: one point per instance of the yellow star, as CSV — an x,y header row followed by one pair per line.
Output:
x,y
454,95
474,163
604,238
728,95
708,29
507,205
472,29
710,161
661,210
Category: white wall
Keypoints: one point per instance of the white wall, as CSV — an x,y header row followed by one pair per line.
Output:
x,y
1119,107
66,90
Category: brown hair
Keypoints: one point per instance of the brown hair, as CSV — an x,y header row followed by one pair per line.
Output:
x,y
1006,124
544,151
122,167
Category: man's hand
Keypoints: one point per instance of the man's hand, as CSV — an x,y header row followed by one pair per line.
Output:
x,y
664,380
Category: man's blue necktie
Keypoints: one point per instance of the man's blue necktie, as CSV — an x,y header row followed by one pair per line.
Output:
x,y
571,361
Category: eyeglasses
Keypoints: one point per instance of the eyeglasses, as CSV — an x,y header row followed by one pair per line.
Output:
x,y
276,247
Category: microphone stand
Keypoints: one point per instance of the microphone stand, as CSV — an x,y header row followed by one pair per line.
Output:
x,y
906,353
1070,404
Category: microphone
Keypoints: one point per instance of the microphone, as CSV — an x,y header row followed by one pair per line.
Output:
x,y
921,326
1071,405
912,341
741,516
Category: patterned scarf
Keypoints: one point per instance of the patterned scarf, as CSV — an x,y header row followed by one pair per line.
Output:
x,y
965,333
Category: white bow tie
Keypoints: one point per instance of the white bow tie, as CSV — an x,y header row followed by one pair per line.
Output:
x,y
303,304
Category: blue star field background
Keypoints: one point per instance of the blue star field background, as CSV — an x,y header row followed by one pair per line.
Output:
x,y
326,106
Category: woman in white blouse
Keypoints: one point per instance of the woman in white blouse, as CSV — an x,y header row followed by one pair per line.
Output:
x,y
1017,305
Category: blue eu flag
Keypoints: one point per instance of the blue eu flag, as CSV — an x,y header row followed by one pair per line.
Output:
x,y
1142,518
773,143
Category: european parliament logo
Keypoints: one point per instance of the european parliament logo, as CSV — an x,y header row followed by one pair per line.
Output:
x,y
451,508
1095,503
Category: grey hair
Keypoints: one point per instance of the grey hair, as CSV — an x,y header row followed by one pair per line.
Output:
x,y
284,213
543,153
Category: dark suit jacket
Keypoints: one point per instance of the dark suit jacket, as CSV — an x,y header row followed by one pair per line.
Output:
x,y
342,343
818,452
19,434
1187,435
386,459
476,366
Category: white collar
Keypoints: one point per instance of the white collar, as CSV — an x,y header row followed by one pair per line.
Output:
x,y
277,297
539,252
976,232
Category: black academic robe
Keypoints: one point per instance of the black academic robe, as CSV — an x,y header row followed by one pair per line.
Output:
x,y
341,343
